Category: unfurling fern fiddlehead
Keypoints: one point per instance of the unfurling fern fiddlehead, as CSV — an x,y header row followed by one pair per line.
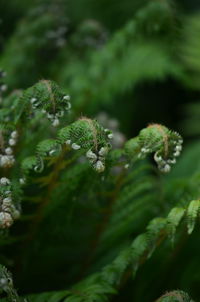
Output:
x,y
8,139
175,296
9,203
90,136
47,97
6,285
158,139
9,193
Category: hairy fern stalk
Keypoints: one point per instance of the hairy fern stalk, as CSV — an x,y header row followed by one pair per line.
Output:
x,y
99,196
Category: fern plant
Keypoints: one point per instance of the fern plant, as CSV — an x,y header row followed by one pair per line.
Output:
x,y
97,201
63,150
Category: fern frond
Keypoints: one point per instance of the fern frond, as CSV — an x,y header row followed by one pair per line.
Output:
x,y
192,214
104,76
46,147
173,220
95,287
189,50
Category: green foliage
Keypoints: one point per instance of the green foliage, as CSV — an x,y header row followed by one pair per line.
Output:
x,y
99,285
141,39
190,48
42,25
86,215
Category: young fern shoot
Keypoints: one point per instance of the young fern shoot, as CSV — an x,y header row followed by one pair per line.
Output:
x,y
47,97
6,285
175,296
88,135
158,139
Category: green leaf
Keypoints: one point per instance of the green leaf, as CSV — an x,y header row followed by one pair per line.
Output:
x,y
192,213
173,220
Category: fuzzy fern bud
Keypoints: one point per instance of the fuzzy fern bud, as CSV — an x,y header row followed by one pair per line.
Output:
x,y
158,139
88,135
47,97
175,296
6,285
8,140
5,279
8,209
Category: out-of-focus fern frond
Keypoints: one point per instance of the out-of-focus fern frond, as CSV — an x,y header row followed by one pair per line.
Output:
x,y
136,52
102,284
190,49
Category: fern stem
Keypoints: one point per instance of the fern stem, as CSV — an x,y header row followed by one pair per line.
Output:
x,y
102,226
